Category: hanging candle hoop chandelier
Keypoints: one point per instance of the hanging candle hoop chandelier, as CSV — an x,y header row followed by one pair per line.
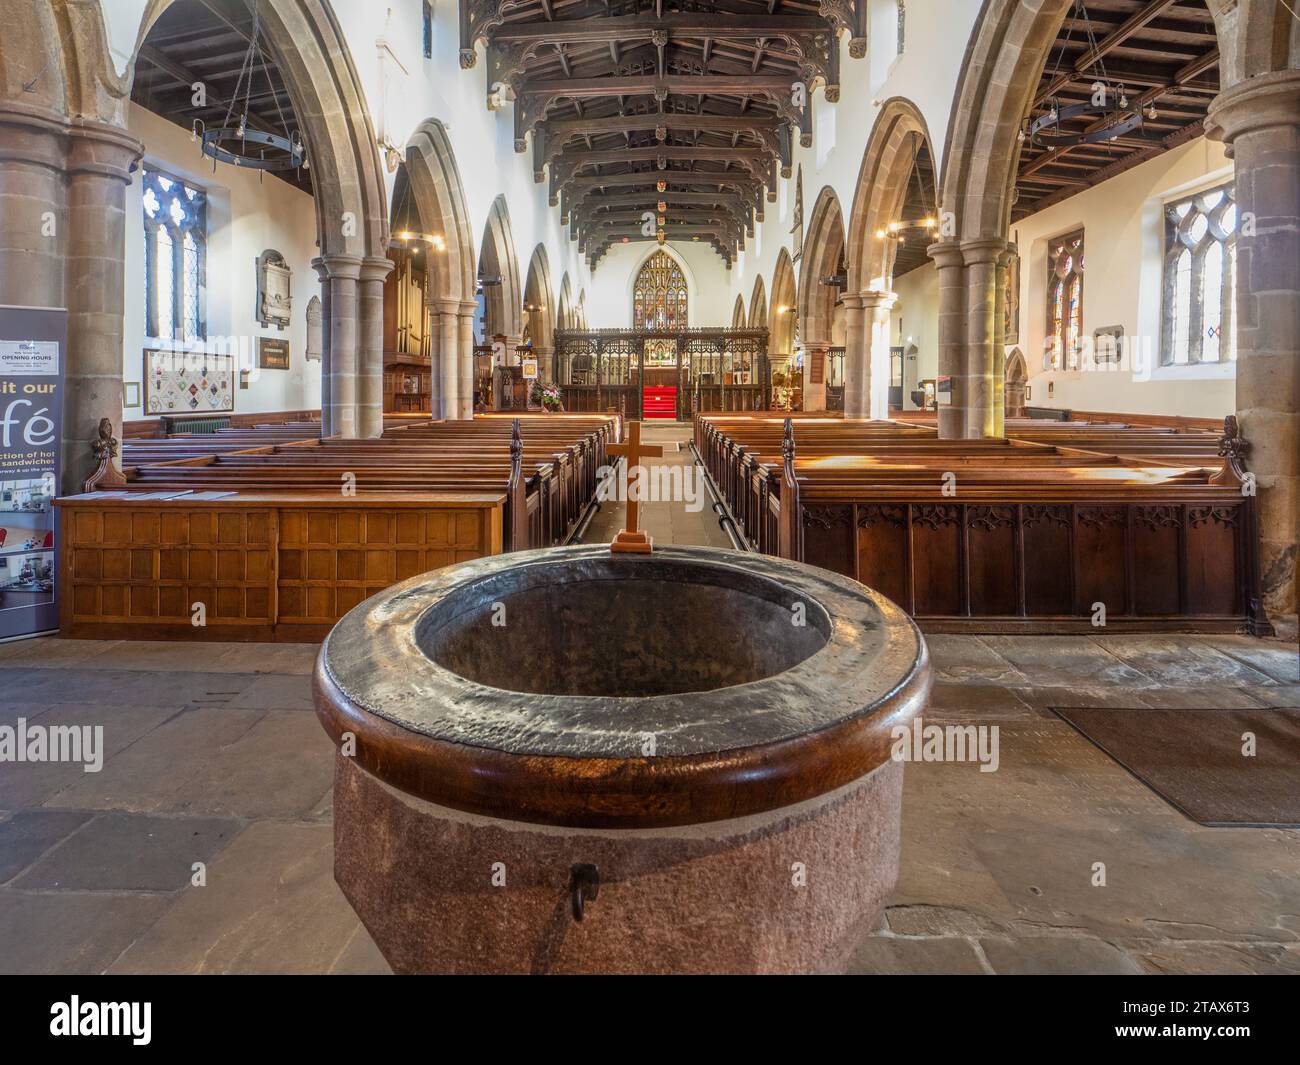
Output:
x,y
899,229
233,141
1107,106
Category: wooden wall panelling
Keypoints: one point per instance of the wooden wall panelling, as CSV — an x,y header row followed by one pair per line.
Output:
x,y
264,569
993,559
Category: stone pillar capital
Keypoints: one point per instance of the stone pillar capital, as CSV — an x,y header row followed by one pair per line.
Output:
x,y
984,250
376,267
445,306
946,254
41,137
104,150
1256,104
877,300
337,267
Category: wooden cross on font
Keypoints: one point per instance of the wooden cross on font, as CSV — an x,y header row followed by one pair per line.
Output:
x,y
632,540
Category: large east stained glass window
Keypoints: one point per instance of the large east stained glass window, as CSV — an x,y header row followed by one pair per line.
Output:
x,y
1200,283
1064,302
659,297
175,257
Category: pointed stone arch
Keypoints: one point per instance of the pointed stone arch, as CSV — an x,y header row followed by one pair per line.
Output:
x,y
881,191
503,298
822,258
738,320
539,309
439,198
898,139
1255,114
783,312
312,56
824,251
564,313
758,304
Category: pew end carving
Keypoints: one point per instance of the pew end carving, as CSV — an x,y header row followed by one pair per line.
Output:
x,y
105,448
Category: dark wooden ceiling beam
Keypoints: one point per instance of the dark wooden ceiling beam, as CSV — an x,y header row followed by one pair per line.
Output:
x,y
673,199
636,27
535,97
216,101
555,54
648,84
757,161
1106,45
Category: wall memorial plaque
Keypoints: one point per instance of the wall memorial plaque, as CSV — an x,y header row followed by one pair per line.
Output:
x,y
274,302
272,354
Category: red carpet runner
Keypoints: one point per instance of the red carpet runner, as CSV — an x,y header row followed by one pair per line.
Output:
x,y
659,401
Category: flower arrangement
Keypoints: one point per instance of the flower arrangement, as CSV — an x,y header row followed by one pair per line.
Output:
x,y
548,396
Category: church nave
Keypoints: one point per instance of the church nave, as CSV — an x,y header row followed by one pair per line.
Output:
x,y
660,487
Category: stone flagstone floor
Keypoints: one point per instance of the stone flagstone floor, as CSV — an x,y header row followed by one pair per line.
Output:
x,y
213,755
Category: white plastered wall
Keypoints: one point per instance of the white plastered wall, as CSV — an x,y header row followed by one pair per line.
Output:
x,y
1123,224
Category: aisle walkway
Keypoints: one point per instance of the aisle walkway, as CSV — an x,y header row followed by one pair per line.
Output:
x,y
688,520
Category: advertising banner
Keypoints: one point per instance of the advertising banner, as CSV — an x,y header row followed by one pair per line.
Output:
x,y
33,350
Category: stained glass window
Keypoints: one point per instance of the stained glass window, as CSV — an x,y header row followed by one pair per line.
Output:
x,y
1200,286
902,25
175,229
659,296
1064,302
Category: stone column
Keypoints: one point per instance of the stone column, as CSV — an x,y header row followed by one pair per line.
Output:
x,y
468,309
814,377
449,344
63,243
32,162
952,336
435,359
326,356
876,322
1259,120
1000,343
545,363
370,355
341,275
100,161
981,258
857,351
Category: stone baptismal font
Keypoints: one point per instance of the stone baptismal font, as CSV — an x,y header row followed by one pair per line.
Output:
x,y
579,760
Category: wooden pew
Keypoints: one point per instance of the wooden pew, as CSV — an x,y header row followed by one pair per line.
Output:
x,y
277,540
1002,535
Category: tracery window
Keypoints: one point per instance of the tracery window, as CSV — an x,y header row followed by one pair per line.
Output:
x,y
659,296
1200,282
1065,264
175,256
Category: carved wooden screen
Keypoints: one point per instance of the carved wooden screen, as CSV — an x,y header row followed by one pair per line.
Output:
x,y
1065,301
619,360
659,299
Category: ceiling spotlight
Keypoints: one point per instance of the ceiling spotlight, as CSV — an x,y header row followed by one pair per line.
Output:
x,y
1152,113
